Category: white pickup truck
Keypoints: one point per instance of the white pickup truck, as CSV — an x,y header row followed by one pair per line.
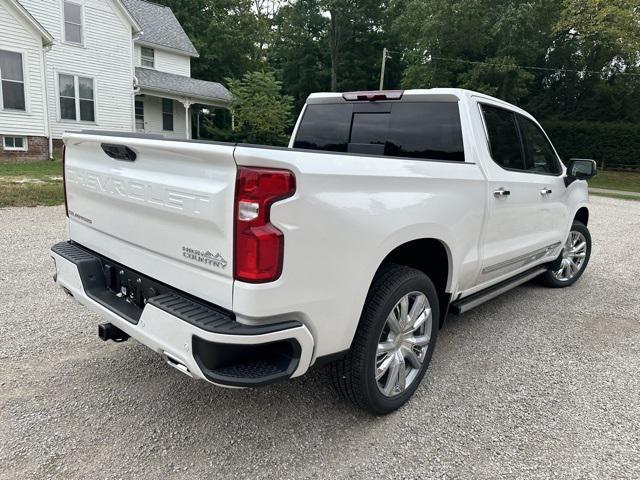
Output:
x,y
243,264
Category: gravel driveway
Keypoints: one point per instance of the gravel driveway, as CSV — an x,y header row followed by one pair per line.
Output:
x,y
538,383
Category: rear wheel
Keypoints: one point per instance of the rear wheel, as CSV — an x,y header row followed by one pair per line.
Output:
x,y
393,344
573,260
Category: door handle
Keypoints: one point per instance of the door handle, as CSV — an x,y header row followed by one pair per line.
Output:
x,y
546,191
501,193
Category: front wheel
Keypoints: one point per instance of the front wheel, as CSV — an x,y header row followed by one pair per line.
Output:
x,y
573,260
393,344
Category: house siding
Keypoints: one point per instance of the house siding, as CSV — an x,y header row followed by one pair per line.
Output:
x,y
106,56
153,117
173,63
16,36
167,61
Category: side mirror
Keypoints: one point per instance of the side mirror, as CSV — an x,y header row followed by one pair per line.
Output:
x,y
580,169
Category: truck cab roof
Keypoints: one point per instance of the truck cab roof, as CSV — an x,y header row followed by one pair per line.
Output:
x,y
412,95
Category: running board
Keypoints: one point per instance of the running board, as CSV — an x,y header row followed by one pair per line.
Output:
x,y
472,301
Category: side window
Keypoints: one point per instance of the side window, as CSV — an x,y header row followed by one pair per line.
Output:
x,y
504,139
67,86
139,115
73,22
539,155
147,57
167,114
76,98
11,81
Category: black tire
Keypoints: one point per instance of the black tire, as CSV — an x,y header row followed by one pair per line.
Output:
x,y
549,279
354,375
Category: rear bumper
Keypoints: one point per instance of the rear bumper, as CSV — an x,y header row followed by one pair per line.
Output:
x,y
197,338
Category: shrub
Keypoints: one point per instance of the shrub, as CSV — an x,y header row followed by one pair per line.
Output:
x,y
616,145
262,113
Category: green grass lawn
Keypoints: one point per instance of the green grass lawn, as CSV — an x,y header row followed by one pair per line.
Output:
x,y
627,181
621,196
31,183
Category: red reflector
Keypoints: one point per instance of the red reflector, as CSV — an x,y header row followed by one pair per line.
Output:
x,y
259,246
373,96
64,179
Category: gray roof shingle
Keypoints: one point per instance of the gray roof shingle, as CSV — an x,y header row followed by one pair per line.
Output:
x,y
183,86
160,26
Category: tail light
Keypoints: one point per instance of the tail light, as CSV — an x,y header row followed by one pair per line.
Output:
x,y
64,179
259,246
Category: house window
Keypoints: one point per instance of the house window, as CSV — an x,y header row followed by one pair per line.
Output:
x,y
76,98
15,143
139,115
167,114
12,81
147,57
72,22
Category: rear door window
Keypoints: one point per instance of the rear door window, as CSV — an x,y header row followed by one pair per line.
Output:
x,y
427,130
504,137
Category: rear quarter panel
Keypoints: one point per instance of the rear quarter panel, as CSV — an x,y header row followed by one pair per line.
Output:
x,y
349,212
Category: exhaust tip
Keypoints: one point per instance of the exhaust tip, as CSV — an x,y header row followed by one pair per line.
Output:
x,y
177,364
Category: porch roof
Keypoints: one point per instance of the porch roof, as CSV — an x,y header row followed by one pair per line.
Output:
x,y
197,91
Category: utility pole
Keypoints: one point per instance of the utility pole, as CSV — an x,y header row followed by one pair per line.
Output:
x,y
384,64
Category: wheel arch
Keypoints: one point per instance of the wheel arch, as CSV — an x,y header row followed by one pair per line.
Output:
x,y
431,256
582,215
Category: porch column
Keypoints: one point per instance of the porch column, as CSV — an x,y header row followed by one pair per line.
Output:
x,y
187,104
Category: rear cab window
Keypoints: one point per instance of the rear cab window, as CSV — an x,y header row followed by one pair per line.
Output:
x,y
421,130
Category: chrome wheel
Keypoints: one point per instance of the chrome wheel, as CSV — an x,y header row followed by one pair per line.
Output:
x,y
403,344
573,257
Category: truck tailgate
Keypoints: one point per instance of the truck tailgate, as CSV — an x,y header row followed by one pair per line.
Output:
x,y
167,214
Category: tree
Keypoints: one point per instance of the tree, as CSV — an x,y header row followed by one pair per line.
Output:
x,y
600,42
262,113
226,33
559,59
298,53
498,76
476,44
356,34
322,45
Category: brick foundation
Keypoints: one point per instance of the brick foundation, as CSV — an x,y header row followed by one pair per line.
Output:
x,y
57,147
37,149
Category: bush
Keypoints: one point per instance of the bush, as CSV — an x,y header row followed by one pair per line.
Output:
x,y
262,113
615,144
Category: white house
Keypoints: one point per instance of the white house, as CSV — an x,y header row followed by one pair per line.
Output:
x,y
117,65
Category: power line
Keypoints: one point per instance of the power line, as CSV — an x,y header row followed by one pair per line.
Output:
x,y
527,67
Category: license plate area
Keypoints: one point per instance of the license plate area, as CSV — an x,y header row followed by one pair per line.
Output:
x,y
125,291
116,287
